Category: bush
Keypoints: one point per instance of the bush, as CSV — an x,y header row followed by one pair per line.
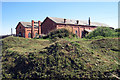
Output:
x,y
101,31
117,30
59,33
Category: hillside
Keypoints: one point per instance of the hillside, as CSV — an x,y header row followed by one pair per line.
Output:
x,y
39,58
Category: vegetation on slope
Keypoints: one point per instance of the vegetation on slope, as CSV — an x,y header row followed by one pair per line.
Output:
x,y
60,59
59,33
101,32
23,45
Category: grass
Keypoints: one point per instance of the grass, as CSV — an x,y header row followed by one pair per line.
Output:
x,y
63,58
23,45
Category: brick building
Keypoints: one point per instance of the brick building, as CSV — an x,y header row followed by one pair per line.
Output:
x,y
28,29
78,27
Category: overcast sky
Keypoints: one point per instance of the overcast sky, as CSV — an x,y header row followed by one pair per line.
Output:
x,y
14,12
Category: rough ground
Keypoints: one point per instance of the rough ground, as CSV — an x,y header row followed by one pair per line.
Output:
x,y
39,58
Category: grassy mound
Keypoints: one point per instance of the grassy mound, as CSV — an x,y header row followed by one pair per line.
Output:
x,y
60,59
23,45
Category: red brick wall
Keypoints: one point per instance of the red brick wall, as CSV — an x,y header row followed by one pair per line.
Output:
x,y
28,30
68,27
47,26
36,31
39,27
89,27
74,28
86,27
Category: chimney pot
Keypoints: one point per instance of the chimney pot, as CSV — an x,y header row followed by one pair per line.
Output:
x,y
77,21
64,20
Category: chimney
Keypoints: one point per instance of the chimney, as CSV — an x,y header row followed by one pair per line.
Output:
x,y
32,29
89,21
64,20
39,27
77,21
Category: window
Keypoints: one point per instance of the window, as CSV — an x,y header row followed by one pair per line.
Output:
x,y
36,34
20,35
20,27
76,32
29,35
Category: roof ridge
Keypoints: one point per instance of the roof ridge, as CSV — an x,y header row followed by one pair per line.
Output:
x,y
22,21
68,18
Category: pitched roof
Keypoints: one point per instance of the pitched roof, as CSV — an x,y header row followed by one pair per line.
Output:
x,y
74,22
28,24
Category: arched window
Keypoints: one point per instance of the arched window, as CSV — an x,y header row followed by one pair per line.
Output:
x,y
36,34
20,34
29,35
76,32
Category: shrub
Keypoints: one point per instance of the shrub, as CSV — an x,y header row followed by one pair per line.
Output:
x,y
117,30
101,31
59,33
